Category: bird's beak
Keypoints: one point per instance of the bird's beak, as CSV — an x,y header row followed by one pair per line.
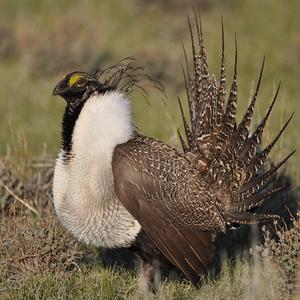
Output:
x,y
58,90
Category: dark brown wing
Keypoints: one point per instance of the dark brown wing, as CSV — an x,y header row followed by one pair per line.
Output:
x,y
143,194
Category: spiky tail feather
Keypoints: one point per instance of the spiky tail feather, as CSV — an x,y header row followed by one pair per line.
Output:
x,y
226,154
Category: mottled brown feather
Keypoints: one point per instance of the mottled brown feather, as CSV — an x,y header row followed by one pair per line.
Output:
x,y
225,153
143,188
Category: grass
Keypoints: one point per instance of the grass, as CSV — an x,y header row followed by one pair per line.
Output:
x,y
41,41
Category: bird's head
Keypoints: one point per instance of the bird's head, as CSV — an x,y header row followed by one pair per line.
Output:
x,y
76,87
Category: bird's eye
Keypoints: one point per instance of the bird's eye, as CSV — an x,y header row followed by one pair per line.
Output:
x,y
81,81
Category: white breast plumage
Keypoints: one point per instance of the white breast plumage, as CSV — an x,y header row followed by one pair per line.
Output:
x,y
83,189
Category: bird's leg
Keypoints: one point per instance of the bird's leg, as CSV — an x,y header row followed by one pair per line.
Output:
x,y
145,279
156,274
146,275
150,277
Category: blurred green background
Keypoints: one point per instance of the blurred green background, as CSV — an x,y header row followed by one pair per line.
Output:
x,y
42,40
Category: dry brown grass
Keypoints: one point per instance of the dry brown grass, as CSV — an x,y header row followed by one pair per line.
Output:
x,y
32,246
31,183
284,255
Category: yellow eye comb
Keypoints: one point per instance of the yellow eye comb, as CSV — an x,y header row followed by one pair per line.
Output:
x,y
74,79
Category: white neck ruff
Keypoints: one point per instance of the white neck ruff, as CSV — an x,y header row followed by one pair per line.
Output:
x,y
83,188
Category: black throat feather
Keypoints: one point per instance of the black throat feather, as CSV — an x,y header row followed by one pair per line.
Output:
x,y
69,120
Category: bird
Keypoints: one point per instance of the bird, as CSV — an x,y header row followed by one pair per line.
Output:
x,y
117,188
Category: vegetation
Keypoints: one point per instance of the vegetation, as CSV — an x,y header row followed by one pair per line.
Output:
x,y
40,41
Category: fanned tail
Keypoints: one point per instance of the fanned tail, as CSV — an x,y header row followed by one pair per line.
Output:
x,y
225,153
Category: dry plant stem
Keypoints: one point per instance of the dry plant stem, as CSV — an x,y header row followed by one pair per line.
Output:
x,y
19,199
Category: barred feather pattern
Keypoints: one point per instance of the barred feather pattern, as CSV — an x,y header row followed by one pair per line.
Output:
x,y
225,153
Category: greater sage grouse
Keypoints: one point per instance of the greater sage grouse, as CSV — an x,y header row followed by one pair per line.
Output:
x,y
114,187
